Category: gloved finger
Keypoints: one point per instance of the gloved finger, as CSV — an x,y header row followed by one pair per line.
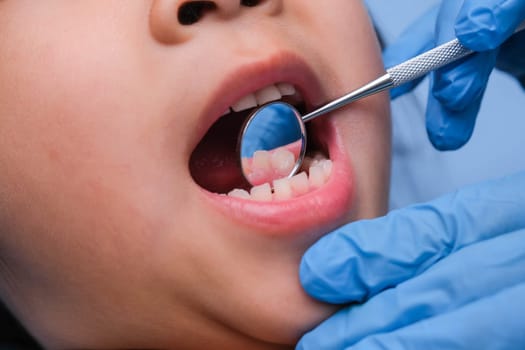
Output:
x,y
363,258
485,24
418,38
475,272
495,322
453,105
456,90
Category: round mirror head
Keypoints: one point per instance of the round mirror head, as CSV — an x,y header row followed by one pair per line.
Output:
x,y
272,143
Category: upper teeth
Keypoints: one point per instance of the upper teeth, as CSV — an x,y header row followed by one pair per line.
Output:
x,y
264,95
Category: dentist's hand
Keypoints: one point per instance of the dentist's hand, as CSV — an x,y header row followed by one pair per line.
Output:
x,y
449,274
457,91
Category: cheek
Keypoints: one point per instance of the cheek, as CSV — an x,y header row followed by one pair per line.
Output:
x,y
74,91
86,163
75,115
350,58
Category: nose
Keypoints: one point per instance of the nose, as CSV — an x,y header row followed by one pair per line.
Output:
x,y
171,20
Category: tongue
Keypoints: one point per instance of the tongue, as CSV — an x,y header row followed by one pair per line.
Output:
x,y
214,164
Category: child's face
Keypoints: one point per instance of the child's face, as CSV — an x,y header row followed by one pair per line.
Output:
x,y
106,238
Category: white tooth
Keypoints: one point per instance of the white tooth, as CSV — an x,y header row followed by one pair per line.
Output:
x,y
258,177
286,89
244,103
282,189
259,168
316,176
238,193
299,184
327,166
282,161
267,94
262,193
312,161
228,111
261,161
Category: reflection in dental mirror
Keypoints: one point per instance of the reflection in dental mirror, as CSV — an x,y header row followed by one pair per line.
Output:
x,y
272,143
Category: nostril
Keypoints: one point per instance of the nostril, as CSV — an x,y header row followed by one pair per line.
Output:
x,y
191,12
250,3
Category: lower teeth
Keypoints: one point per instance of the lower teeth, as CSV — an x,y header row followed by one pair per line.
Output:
x,y
319,171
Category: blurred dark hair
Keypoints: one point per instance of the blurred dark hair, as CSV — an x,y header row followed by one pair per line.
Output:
x,y
12,335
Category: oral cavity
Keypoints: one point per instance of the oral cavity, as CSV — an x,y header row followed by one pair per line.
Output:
x,y
215,167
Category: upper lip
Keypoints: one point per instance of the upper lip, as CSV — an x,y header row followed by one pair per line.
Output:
x,y
277,68
311,211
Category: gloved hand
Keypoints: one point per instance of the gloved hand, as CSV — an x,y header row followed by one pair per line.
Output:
x,y
448,274
457,90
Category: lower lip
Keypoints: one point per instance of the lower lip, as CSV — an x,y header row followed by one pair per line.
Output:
x,y
308,214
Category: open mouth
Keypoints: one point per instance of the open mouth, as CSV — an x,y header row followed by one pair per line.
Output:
x,y
317,198
214,164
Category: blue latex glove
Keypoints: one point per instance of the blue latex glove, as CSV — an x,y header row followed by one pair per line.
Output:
x,y
448,274
457,91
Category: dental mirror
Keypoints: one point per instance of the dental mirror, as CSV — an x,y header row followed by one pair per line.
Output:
x,y
272,143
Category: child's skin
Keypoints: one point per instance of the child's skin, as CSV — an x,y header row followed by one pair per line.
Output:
x,y
106,240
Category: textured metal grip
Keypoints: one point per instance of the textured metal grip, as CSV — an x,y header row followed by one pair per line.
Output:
x,y
427,62
431,60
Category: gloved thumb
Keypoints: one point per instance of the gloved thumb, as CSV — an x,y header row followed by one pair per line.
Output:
x,y
361,259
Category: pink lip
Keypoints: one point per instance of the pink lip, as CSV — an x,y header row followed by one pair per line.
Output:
x,y
309,213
